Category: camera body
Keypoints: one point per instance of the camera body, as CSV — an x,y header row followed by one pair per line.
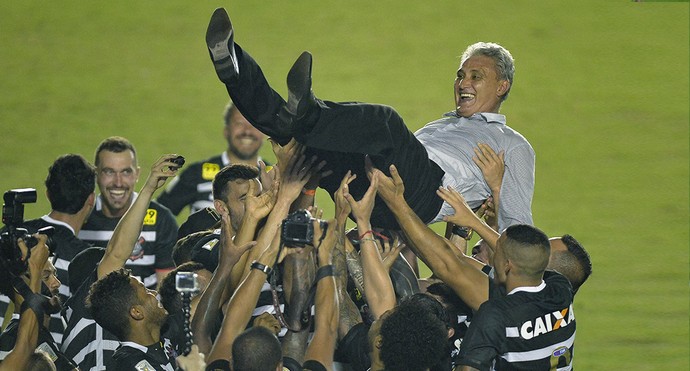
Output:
x,y
179,161
298,229
13,218
187,282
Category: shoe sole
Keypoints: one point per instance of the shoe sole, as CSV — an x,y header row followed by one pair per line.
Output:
x,y
299,83
218,36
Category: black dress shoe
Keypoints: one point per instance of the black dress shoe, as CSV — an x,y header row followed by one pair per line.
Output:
x,y
300,96
219,39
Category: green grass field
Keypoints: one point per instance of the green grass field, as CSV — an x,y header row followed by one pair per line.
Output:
x,y
601,92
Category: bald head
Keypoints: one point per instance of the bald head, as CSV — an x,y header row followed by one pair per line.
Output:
x,y
570,259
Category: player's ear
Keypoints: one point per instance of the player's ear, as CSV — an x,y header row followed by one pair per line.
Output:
x,y
220,206
503,87
137,312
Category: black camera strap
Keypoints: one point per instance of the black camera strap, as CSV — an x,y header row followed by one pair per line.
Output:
x,y
31,300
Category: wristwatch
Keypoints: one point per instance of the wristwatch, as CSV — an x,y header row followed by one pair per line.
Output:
x,y
264,268
463,232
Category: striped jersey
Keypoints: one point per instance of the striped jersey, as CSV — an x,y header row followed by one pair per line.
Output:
x,y
85,342
153,250
531,328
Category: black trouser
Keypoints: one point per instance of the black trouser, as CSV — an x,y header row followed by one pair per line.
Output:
x,y
342,134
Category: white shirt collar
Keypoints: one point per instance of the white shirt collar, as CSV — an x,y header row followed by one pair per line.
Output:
x,y
541,286
58,222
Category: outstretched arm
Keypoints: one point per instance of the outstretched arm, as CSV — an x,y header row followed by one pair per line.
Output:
x,y
377,282
437,252
464,216
127,231
322,345
212,298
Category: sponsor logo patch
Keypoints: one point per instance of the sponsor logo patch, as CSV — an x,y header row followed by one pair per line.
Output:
x,y
209,170
150,218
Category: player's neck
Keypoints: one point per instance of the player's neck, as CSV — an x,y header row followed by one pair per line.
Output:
x,y
76,221
234,159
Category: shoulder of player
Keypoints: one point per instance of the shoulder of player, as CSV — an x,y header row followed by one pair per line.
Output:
x,y
218,160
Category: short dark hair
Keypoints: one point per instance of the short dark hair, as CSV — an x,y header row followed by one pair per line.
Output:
x,y
170,297
256,349
575,264
412,338
70,182
117,145
184,247
110,299
452,303
228,174
528,247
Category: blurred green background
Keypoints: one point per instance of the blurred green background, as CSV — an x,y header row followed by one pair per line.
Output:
x,y
601,92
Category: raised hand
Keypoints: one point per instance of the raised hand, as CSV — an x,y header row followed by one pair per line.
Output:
x,y
229,252
390,189
297,172
258,205
491,164
390,250
286,152
161,170
361,209
342,207
464,216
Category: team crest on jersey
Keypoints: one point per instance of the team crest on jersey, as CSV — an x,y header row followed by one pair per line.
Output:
x,y
547,323
209,170
150,218
138,251
559,351
144,366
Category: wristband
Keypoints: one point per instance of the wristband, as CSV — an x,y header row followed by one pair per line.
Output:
x,y
377,234
308,192
324,271
365,233
367,239
258,266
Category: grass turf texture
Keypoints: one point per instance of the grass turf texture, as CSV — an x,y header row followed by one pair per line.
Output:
x,y
601,92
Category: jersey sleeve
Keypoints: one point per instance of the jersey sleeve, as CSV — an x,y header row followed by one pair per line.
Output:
x,y
166,235
483,339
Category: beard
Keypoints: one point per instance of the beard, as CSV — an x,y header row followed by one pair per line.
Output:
x,y
53,305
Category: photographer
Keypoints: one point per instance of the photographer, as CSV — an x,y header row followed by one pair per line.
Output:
x,y
27,329
70,189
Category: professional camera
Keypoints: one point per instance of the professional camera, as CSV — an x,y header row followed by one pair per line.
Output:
x,y
13,218
298,230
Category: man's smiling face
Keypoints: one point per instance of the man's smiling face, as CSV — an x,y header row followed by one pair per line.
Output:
x,y
477,87
117,173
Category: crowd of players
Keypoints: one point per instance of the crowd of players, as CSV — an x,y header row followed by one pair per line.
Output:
x,y
346,299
